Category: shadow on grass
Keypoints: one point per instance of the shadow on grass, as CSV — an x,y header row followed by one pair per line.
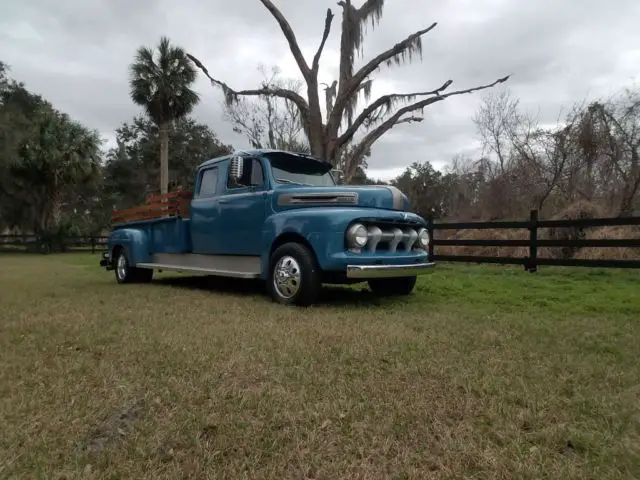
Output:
x,y
358,295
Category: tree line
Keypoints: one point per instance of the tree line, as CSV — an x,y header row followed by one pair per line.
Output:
x,y
590,158
56,177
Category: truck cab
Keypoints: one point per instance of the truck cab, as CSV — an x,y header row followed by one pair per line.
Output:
x,y
280,217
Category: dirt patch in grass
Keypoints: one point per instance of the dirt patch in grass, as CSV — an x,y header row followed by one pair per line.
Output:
x,y
485,372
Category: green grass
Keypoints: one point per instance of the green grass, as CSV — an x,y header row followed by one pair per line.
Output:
x,y
485,372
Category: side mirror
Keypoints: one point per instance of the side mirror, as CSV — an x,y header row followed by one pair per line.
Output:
x,y
235,168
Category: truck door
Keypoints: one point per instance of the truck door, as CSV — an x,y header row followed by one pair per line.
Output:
x,y
242,211
205,210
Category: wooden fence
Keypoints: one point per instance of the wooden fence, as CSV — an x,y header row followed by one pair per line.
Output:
x,y
533,242
38,244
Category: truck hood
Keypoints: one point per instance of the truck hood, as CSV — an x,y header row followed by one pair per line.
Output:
x,y
372,196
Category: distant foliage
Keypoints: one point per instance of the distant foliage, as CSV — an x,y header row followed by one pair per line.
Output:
x,y
55,180
131,171
591,157
49,166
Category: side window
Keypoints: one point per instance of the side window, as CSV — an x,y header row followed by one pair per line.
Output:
x,y
257,175
252,174
208,183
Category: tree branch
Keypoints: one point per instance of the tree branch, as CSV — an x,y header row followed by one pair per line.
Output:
x,y
325,35
290,36
383,101
367,69
231,95
369,139
409,120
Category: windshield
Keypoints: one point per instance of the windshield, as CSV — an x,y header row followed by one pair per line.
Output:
x,y
294,169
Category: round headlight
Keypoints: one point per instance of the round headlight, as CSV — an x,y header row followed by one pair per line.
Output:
x,y
423,238
357,236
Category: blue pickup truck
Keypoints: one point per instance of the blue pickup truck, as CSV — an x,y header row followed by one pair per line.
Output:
x,y
280,217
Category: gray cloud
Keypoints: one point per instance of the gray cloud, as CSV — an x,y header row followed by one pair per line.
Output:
x,y
558,51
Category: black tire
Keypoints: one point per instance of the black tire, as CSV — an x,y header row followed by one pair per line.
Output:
x,y
392,286
125,273
303,285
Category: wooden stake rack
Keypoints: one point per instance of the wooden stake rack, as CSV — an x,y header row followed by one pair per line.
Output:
x,y
172,204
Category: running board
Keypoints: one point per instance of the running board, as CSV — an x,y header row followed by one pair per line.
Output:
x,y
223,265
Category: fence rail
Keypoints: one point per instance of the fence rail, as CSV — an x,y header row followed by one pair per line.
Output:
x,y
534,242
40,244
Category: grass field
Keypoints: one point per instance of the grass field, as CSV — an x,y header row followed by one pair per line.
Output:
x,y
485,372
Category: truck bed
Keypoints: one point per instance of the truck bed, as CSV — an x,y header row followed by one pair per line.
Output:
x,y
163,218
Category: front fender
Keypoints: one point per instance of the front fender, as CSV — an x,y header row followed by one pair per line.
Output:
x,y
322,228
135,242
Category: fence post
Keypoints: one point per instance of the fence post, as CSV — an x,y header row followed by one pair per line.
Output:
x,y
430,231
532,264
93,244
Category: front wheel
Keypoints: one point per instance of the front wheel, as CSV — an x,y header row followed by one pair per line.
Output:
x,y
392,286
294,276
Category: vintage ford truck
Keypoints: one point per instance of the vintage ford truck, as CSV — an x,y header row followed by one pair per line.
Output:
x,y
280,217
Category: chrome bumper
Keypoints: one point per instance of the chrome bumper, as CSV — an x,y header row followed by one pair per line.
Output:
x,y
387,271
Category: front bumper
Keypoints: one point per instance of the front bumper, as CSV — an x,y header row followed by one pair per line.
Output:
x,y
387,271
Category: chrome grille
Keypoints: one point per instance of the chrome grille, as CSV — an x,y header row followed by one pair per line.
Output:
x,y
391,237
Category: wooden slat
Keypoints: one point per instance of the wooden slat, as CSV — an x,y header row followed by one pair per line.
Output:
x,y
161,198
156,206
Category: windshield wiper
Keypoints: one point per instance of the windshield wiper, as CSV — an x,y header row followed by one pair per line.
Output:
x,y
285,180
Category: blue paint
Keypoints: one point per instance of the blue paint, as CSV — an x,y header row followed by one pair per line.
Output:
x,y
249,220
134,240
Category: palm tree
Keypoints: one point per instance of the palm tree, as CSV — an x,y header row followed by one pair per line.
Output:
x,y
162,86
57,154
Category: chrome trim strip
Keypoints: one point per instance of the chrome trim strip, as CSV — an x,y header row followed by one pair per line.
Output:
x,y
318,198
210,271
397,198
387,271
224,265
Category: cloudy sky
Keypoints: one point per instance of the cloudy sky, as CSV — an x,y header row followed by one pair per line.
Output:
x,y
76,53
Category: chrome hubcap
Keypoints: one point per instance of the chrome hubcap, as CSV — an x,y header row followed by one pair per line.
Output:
x,y
286,277
121,267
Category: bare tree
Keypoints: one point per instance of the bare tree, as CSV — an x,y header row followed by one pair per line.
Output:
x,y
328,139
496,121
529,162
269,121
617,127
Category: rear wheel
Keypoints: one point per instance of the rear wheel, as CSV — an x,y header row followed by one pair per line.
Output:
x,y
392,286
294,276
125,273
